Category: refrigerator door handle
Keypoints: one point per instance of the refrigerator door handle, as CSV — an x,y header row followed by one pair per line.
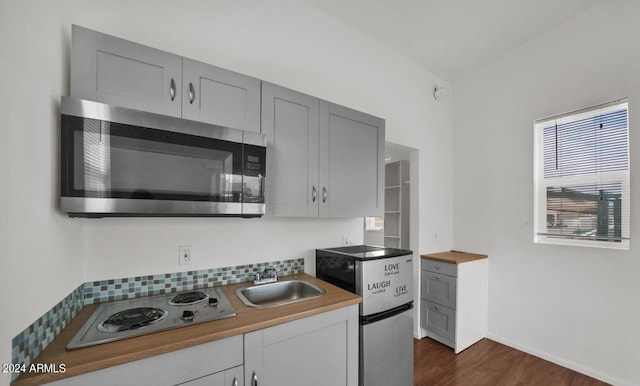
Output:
x,y
367,319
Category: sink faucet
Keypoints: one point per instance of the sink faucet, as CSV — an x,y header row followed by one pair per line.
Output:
x,y
269,275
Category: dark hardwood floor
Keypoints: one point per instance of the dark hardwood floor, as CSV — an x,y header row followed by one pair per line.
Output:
x,y
488,363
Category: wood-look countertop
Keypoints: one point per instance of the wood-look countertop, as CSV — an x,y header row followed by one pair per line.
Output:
x,y
248,319
453,257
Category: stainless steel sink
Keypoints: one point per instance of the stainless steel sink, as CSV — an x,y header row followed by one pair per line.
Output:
x,y
278,293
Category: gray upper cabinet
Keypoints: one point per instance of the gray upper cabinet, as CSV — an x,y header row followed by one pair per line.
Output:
x,y
351,162
323,159
290,120
116,71
218,96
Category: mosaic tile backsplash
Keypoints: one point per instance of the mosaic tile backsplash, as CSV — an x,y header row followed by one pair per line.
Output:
x,y
29,343
141,286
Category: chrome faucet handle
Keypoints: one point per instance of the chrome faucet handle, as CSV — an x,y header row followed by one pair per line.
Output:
x,y
274,272
268,275
269,272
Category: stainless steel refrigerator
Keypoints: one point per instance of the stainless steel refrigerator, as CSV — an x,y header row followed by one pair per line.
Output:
x,y
384,279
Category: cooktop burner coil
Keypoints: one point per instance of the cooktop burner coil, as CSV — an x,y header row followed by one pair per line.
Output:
x,y
188,298
132,319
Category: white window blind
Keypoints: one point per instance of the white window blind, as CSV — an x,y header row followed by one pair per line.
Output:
x,y
581,171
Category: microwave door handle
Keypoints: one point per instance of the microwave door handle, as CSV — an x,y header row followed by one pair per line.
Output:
x,y
192,93
172,89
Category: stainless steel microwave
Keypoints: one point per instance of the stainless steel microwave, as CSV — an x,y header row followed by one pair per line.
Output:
x,y
122,162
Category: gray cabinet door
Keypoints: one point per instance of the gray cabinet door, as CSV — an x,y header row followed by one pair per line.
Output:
x,y
290,122
351,163
221,97
439,320
316,351
111,70
439,288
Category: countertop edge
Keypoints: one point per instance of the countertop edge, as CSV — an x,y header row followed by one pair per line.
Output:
x,y
453,257
133,349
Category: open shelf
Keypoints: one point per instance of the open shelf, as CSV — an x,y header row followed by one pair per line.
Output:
x,y
396,205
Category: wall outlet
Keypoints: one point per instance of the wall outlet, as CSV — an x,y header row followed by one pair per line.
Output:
x,y
346,240
184,255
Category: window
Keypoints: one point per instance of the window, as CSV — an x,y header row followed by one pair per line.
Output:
x,y
374,224
581,171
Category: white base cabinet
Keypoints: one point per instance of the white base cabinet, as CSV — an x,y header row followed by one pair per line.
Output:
x,y
316,351
214,364
454,302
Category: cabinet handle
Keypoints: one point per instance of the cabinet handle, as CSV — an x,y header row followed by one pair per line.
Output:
x,y
436,267
436,308
192,93
314,194
324,194
235,382
437,278
172,89
254,379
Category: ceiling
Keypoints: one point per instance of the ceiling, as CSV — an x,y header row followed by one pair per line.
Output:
x,y
451,38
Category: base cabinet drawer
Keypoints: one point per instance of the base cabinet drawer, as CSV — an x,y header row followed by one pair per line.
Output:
x,y
439,320
439,288
440,267
231,377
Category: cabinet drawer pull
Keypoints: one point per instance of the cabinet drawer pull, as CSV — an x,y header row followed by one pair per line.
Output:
x,y
437,267
254,379
437,278
172,89
235,382
314,194
324,194
436,308
192,93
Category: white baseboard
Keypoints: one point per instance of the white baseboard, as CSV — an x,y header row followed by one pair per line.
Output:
x,y
561,361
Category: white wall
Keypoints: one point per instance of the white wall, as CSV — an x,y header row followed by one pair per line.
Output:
x,y
288,42
145,246
575,306
40,250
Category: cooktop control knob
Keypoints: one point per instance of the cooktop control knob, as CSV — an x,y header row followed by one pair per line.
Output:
x,y
188,315
213,301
